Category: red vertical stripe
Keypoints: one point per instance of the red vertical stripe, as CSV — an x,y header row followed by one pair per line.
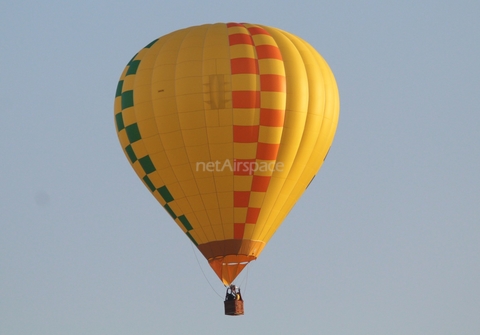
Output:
x,y
246,99
268,117
257,31
272,83
260,183
267,151
272,117
244,65
240,39
238,230
252,215
268,51
241,198
245,134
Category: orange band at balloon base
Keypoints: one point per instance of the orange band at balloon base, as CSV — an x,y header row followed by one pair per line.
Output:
x,y
228,258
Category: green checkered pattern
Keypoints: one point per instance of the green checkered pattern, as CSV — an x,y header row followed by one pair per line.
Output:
x,y
133,134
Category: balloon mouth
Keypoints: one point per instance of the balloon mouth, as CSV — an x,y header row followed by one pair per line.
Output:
x,y
229,267
229,257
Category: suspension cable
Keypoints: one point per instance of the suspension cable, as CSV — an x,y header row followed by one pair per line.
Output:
x,y
208,281
245,279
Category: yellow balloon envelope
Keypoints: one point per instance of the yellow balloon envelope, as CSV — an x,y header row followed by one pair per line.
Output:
x,y
226,125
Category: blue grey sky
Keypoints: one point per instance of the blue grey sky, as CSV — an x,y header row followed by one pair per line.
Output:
x,y
386,240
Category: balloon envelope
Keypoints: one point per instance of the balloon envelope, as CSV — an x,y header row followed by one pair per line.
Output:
x,y
226,125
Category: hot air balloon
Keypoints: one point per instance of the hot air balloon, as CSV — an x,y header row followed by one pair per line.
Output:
x,y
226,124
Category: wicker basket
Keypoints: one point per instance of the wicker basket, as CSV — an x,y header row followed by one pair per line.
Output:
x,y
233,307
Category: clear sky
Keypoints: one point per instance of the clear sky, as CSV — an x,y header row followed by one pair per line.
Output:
x,y
386,240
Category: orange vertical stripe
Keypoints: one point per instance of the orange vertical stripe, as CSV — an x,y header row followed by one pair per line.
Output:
x,y
267,151
272,83
260,183
268,51
252,215
234,39
257,31
268,117
272,117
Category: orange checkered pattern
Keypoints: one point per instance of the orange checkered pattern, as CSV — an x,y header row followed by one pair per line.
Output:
x,y
258,119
